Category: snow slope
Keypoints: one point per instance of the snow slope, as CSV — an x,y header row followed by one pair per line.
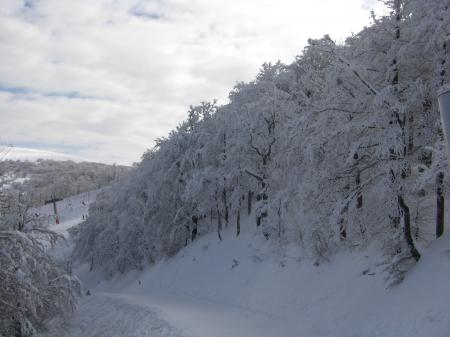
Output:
x,y
70,211
248,286
22,153
106,316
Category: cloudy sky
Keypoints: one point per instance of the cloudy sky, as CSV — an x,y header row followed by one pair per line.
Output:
x,y
102,79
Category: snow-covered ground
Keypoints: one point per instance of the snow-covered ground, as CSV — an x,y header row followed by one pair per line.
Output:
x,y
22,153
247,287
70,210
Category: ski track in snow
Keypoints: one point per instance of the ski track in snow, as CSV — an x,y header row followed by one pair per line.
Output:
x,y
202,317
104,315
128,315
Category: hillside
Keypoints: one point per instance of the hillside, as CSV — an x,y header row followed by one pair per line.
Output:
x,y
44,179
342,148
248,286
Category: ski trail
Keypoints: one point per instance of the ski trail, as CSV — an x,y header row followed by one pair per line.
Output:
x,y
101,315
200,318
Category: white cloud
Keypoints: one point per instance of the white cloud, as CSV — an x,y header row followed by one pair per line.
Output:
x,y
108,77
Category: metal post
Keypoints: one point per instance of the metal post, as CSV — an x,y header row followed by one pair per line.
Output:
x,y
444,107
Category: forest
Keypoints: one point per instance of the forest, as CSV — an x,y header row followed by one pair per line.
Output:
x,y
340,149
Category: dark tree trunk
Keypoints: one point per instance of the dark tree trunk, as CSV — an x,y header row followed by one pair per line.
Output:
x,y
17,329
219,225
225,206
440,204
411,134
395,218
280,225
359,198
443,62
342,227
407,229
238,216
249,202
187,232
219,216
398,19
194,229
238,223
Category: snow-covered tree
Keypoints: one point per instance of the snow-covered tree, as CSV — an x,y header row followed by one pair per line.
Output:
x,y
35,291
338,149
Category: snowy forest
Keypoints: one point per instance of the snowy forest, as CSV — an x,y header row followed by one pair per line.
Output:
x,y
337,150
46,179
340,150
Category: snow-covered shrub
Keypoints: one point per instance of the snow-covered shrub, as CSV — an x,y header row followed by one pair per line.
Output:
x,y
35,290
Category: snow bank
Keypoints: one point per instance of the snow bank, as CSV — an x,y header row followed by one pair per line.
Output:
x,y
246,287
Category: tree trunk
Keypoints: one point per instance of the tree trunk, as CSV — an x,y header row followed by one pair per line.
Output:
x,y
194,229
225,206
219,225
411,133
280,225
359,198
440,204
219,216
187,232
342,227
398,19
238,222
249,202
17,329
395,219
443,62
407,229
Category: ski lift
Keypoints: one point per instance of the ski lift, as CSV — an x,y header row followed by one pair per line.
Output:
x,y
444,108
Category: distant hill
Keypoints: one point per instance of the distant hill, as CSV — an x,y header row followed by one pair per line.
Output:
x,y
9,152
43,175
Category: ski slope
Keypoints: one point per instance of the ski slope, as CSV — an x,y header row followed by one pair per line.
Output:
x,y
248,286
70,211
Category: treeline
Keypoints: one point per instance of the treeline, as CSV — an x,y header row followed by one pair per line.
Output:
x,y
339,149
47,179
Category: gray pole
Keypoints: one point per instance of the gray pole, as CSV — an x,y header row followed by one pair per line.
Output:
x,y
444,107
